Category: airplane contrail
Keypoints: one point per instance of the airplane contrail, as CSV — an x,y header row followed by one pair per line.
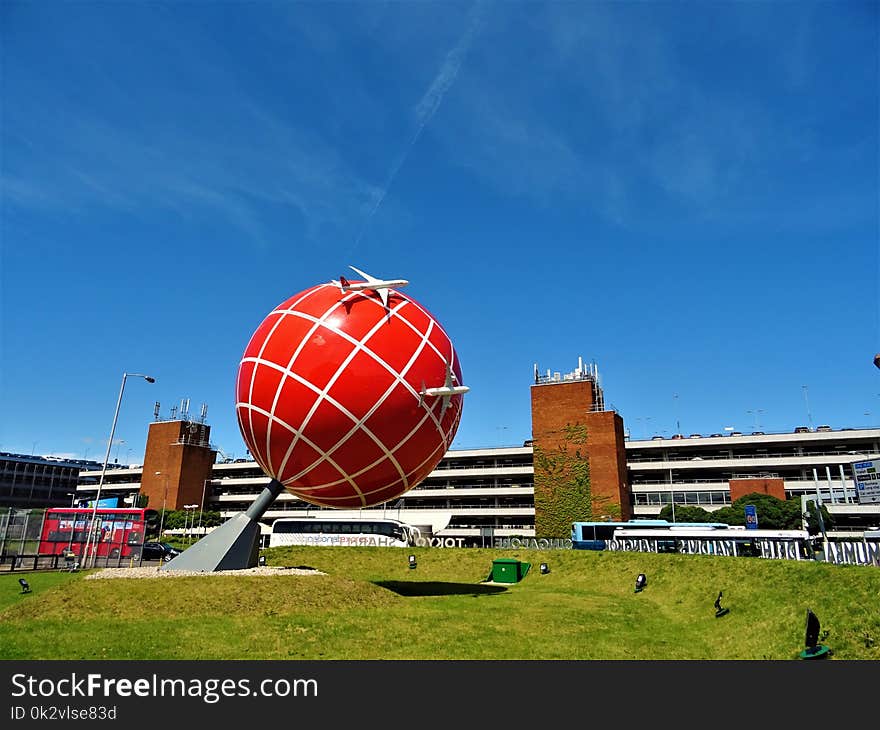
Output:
x,y
430,102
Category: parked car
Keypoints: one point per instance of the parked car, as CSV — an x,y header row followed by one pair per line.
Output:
x,y
823,428
159,551
802,429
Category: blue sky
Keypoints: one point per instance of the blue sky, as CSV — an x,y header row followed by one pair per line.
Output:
x,y
685,193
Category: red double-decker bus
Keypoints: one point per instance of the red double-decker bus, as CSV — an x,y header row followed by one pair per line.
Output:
x,y
118,534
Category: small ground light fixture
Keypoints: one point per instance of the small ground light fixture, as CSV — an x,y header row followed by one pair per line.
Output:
x,y
641,582
544,568
812,648
412,562
25,587
262,560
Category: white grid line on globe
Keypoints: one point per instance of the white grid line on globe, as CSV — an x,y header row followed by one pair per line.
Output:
x,y
413,471
360,423
444,443
444,437
398,376
332,401
253,440
307,441
316,324
319,321
403,320
440,327
323,395
417,468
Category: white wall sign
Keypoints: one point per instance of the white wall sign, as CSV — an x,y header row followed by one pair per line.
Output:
x,y
867,481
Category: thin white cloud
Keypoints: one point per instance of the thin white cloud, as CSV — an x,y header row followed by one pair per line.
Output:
x,y
430,103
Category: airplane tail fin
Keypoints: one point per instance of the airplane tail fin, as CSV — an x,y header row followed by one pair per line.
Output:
x,y
343,282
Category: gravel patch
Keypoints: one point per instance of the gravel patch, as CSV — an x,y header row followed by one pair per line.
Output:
x,y
150,572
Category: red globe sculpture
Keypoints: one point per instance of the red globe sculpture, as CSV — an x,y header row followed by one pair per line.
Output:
x,y
334,395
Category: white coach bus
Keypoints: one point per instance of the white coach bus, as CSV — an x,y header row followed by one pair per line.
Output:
x,y
342,532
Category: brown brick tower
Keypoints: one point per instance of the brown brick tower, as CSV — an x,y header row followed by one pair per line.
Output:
x,y
178,458
580,458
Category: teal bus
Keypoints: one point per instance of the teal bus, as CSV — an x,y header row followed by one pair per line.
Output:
x,y
596,535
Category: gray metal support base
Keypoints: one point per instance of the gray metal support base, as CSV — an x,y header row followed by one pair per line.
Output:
x,y
235,545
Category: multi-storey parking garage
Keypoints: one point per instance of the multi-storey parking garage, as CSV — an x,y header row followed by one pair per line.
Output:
x,y
511,491
698,470
479,492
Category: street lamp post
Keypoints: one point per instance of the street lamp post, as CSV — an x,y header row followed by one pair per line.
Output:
x,y
89,540
202,504
164,498
189,519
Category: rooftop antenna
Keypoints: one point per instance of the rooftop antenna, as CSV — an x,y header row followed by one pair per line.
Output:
x,y
756,413
156,411
536,373
203,414
173,412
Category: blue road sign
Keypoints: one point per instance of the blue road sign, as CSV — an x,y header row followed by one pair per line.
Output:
x,y
751,517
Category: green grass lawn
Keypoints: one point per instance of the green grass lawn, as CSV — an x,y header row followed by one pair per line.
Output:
x,y
370,605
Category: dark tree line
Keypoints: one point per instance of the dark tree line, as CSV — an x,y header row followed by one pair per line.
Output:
x,y
773,513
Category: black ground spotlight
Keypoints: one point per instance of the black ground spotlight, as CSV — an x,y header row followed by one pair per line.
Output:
x,y
812,648
641,582
25,587
544,568
261,560
719,611
412,562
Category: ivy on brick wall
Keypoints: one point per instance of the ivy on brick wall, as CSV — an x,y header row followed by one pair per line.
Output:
x,y
562,486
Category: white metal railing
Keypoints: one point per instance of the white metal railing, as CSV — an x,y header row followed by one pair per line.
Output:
x,y
740,457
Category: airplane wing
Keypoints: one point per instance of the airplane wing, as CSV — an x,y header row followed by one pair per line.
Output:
x,y
370,279
383,293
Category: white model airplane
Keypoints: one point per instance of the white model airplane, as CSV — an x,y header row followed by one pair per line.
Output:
x,y
379,285
445,391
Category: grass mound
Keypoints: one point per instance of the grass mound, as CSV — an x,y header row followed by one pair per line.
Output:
x,y
371,605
